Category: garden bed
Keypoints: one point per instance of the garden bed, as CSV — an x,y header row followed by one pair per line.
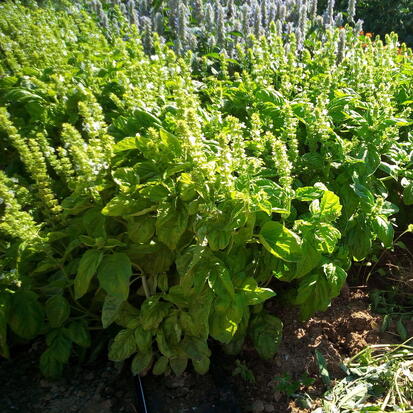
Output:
x,y
341,331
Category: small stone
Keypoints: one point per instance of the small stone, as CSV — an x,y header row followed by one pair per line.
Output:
x,y
257,406
277,396
98,407
269,408
44,383
89,376
175,382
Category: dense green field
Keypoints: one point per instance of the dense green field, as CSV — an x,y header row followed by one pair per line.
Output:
x,y
165,197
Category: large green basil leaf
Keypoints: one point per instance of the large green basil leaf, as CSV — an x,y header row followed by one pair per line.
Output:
x,y
218,238
88,266
160,366
128,316
77,331
126,178
328,208
123,346
143,339
152,258
57,310
326,237
94,223
219,279
265,331
408,194
316,290
359,240
60,347
126,205
153,312
171,224
141,362
310,259
196,321
178,364
141,229
201,366
26,316
114,273
366,197
308,193
383,229
253,294
110,310
49,365
172,328
280,241
225,317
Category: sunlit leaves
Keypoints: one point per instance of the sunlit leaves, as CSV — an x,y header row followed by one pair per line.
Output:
x,y
280,241
171,224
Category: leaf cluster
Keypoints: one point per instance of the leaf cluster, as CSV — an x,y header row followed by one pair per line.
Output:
x,y
167,208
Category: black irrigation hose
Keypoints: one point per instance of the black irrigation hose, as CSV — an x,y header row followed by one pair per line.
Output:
x,y
226,401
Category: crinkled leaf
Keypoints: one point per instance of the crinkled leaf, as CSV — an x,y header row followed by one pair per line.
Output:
x,y
330,207
316,290
310,259
225,316
94,223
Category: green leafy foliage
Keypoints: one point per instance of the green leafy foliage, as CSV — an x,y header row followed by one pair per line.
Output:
x,y
160,203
